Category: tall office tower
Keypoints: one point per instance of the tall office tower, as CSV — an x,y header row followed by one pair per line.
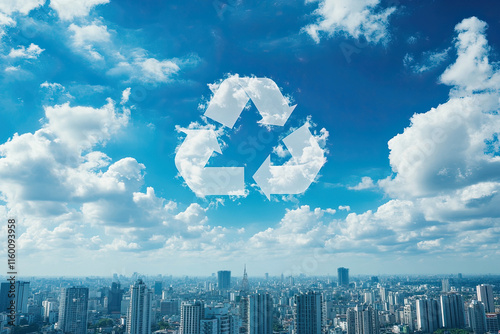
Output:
x,y
21,291
363,319
445,284
428,315
260,314
224,279
191,315
452,311
73,310
158,288
485,295
308,313
343,275
139,309
245,286
477,317
115,295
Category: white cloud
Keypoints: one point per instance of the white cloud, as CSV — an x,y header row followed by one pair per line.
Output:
x,y
430,60
32,52
148,70
366,183
21,6
70,9
86,38
87,35
355,18
125,95
345,208
472,70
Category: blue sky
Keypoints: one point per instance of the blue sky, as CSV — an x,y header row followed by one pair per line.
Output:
x,y
402,98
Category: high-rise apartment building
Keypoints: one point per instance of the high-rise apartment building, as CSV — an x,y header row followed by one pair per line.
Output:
x,y
308,313
428,315
225,323
191,315
477,317
343,276
73,308
452,311
260,314
139,310
485,295
363,319
224,279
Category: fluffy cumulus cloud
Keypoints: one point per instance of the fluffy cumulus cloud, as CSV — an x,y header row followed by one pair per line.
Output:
x,y
354,18
70,9
366,183
446,181
31,52
70,195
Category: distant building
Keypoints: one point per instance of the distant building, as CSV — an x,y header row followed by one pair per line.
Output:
x,y
224,279
343,276
73,308
115,295
158,288
139,310
308,313
191,315
260,314
485,295
452,311
445,285
170,307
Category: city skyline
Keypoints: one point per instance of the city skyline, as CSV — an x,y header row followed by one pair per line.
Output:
x,y
367,139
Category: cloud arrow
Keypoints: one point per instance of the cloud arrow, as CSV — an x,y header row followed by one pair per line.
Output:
x,y
295,176
233,94
191,159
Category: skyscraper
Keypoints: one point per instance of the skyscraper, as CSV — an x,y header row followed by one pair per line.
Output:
x,y
428,313
308,313
73,310
224,279
362,319
139,310
477,317
485,295
158,288
260,314
244,282
452,311
115,295
191,315
343,276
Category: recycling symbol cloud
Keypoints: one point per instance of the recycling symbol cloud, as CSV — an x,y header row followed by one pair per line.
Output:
x,y
229,100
